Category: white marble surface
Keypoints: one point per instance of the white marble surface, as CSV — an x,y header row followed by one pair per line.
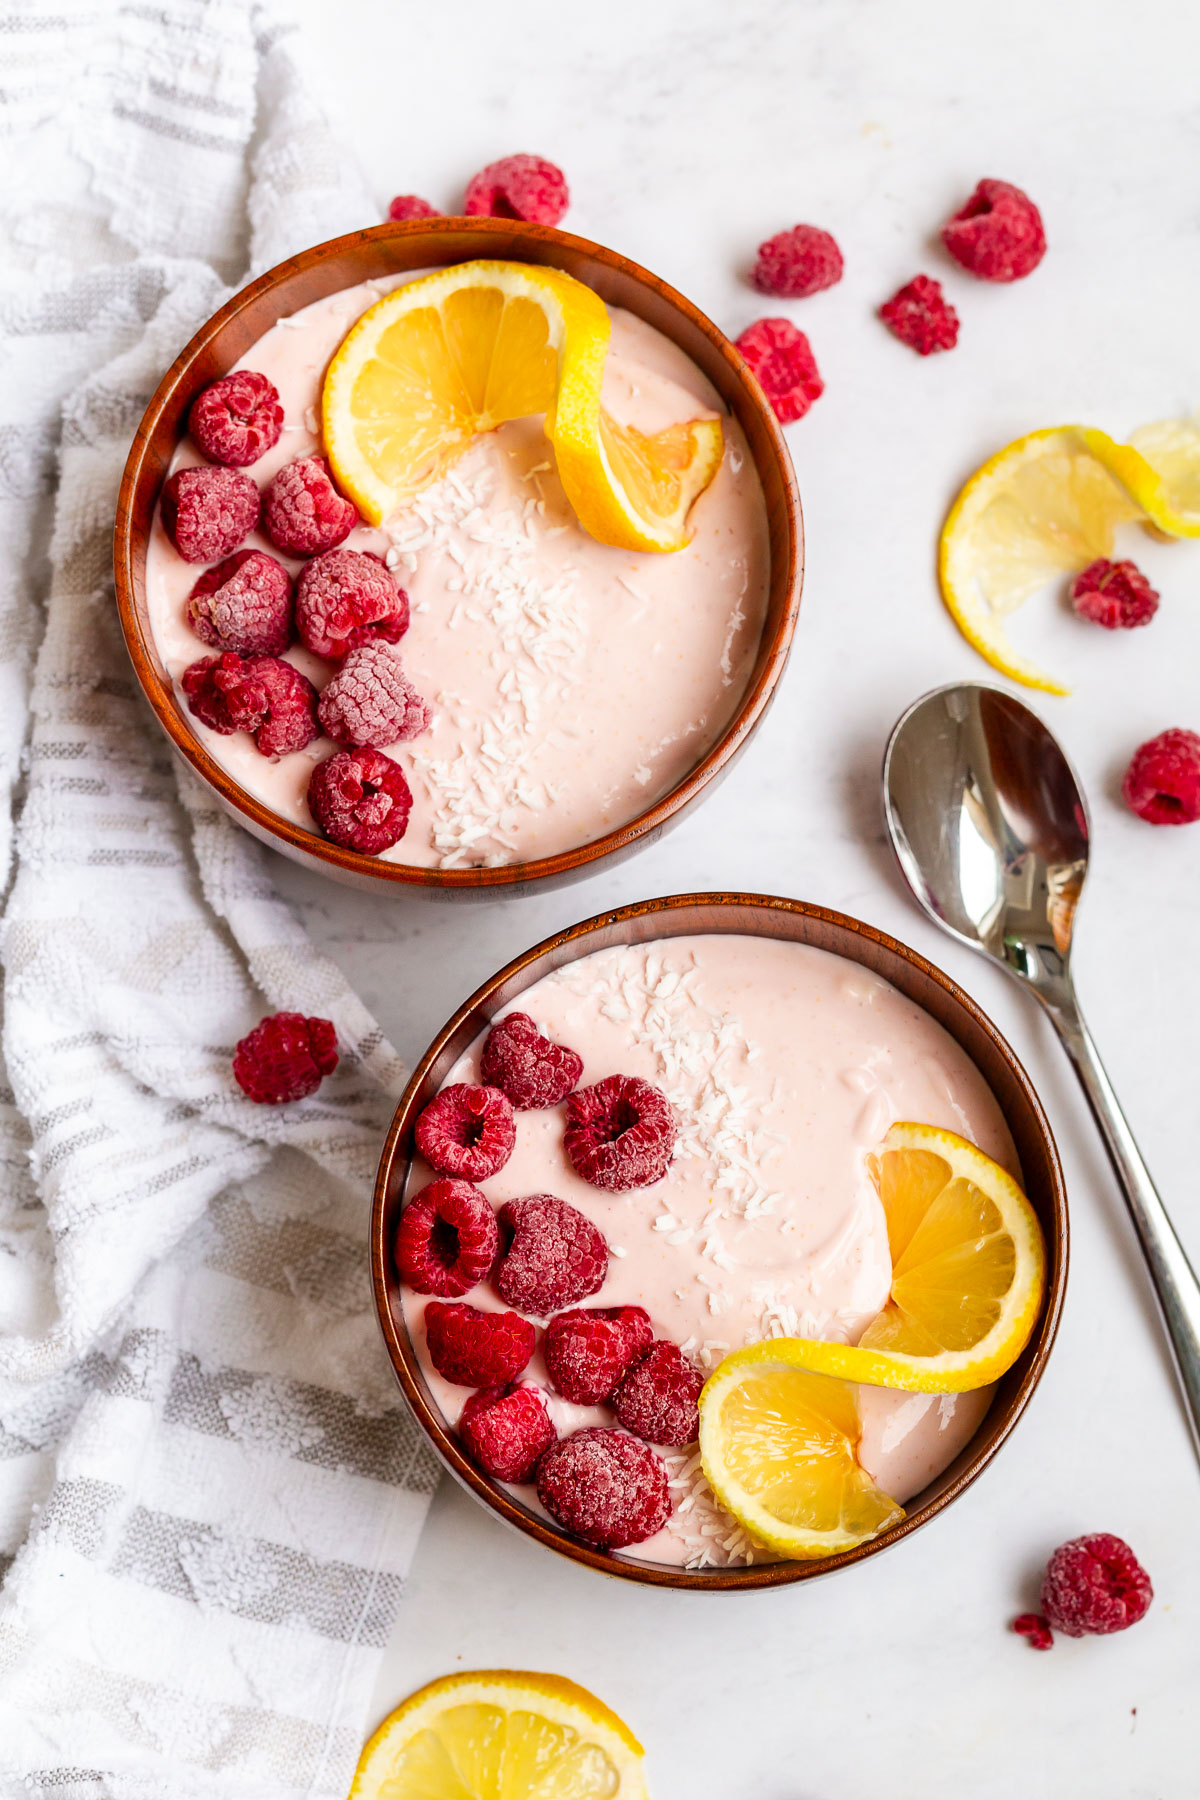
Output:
x,y
689,132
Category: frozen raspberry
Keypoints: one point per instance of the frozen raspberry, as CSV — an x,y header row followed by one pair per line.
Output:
x,y
1095,1585
243,603
518,187
1035,1628
659,1397
781,360
587,1351
1162,783
285,1058
526,1066
411,206
998,235
1114,594
208,512
448,1239
797,263
237,419
303,513
477,1349
467,1131
553,1255
921,317
371,700
506,1430
345,599
263,695
360,800
620,1133
606,1487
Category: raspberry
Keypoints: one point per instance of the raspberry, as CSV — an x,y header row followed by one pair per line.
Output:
x,y
1095,1585
797,263
243,603
506,1430
477,1349
606,1487
1162,782
371,700
620,1133
921,317
208,512
998,235
1115,595
263,695
658,1398
284,1058
781,360
237,419
526,1066
467,1131
345,599
588,1351
411,206
303,513
448,1239
553,1255
518,187
1035,1628
360,800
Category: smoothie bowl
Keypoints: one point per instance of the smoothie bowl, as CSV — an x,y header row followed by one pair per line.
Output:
x,y
458,554
700,1156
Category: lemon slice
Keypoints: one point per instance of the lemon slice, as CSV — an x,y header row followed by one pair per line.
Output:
x,y
462,351
501,1734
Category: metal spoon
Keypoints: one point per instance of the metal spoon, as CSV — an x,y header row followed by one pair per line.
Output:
x,y
991,830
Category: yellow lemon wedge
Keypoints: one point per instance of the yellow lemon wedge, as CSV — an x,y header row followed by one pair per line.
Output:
x,y
501,1734
462,351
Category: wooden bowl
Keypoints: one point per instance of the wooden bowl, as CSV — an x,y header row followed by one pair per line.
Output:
x,y
755,915
383,250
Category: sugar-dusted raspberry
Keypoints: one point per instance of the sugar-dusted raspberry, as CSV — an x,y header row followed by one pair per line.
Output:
x,y
468,1131
605,1486
998,235
1114,594
477,1349
237,419
797,263
345,599
620,1133
781,360
1035,1628
243,603
1095,1584
411,206
506,1431
371,700
921,317
303,513
360,800
448,1239
589,1349
1162,782
659,1398
285,1057
553,1256
518,187
207,512
263,695
531,1069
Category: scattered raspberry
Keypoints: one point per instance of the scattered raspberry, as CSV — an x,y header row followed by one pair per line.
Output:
x,y
518,187
587,1351
998,235
243,603
620,1133
263,695
411,206
1114,594
448,1239
237,419
371,700
208,512
1162,783
526,1066
506,1430
1095,1585
285,1057
360,800
303,513
781,360
920,316
553,1255
797,263
606,1487
345,599
1035,1628
659,1398
467,1131
477,1349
